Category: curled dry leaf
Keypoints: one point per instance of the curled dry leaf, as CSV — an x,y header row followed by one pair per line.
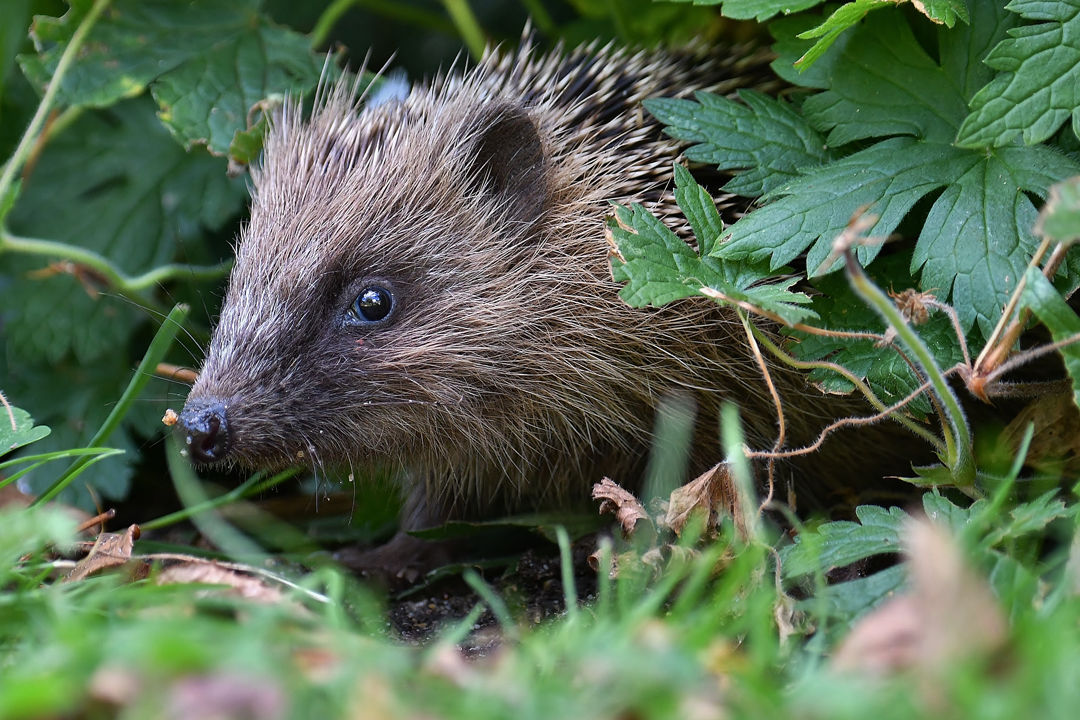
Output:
x,y
712,494
950,613
115,685
210,573
1055,446
109,550
622,504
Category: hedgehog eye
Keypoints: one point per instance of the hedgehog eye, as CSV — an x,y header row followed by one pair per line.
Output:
x,y
372,304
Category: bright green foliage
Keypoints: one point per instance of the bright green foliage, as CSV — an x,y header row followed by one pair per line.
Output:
x,y
759,9
976,239
765,138
18,429
842,18
208,61
1037,88
659,267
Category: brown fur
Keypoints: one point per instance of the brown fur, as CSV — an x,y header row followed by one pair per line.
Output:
x,y
510,375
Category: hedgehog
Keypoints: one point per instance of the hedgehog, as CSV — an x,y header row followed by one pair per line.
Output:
x,y
424,284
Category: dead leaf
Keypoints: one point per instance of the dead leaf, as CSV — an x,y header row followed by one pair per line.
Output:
x,y
1055,446
713,493
622,504
211,573
109,550
950,613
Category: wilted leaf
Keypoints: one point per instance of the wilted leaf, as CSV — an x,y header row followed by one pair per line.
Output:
x,y
620,503
109,550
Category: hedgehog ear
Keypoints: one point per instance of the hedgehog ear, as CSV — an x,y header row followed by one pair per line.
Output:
x,y
508,161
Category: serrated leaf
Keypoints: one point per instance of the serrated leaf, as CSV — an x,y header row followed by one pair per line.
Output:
x,y
1036,89
659,267
207,99
974,243
207,62
1044,300
18,429
133,43
837,544
914,97
765,138
943,12
849,600
888,375
1059,220
889,178
117,184
1030,517
840,20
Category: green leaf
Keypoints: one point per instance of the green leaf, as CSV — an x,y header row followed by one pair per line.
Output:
x,y
133,43
207,62
1044,300
789,48
758,9
1036,89
974,243
659,267
1030,517
842,18
13,23
765,138
943,12
889,177
18,429
837,544
1059,220
888,375
116,183
207,99
915,97
847,601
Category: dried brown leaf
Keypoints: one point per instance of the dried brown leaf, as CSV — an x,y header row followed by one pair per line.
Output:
x,y
109,550
620,503
1055,446
713,494
211,573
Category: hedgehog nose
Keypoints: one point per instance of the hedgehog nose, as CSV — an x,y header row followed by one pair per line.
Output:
x,y
206,431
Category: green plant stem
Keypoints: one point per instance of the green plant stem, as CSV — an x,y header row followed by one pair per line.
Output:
x,y
958,445
29,138
132,287
387,8
252,486
159,346
328,20
467,26
540,16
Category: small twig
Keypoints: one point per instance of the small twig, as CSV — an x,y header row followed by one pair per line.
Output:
x,y
781,424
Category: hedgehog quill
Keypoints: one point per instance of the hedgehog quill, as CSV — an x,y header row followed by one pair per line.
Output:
x,y
425,283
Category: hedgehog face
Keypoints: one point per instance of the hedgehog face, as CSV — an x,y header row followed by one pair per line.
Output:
x,y
365,317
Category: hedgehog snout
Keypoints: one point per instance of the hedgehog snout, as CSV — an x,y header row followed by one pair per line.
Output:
x,y
205,430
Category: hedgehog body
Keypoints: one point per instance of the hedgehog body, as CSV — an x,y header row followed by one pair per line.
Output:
x,y
425,284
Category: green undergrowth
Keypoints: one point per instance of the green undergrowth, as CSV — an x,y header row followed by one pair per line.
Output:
x,y
911,206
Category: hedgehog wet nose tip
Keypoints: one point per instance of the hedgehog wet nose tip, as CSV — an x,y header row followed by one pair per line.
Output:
x,y
205,430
